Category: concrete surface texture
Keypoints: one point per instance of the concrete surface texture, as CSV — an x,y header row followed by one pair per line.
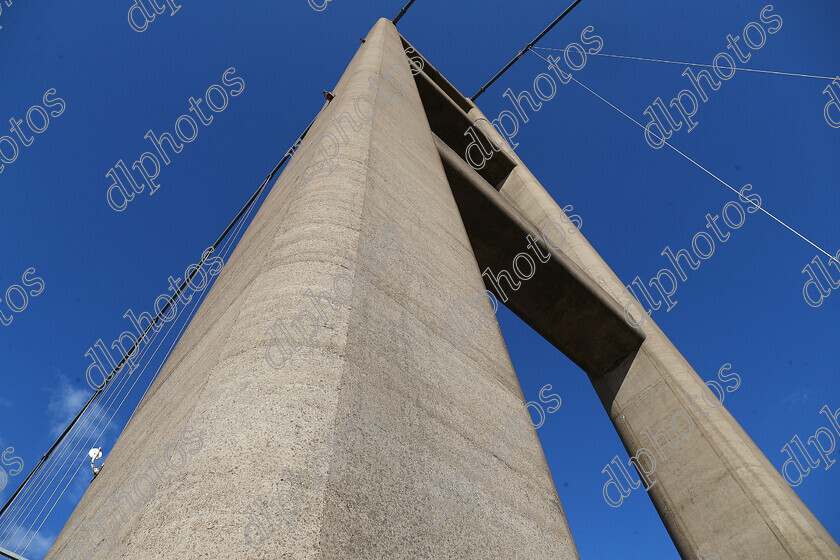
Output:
x,y
713,486
384,349
716,486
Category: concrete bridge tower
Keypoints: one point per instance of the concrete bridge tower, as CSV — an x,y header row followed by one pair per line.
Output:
x,y
384,398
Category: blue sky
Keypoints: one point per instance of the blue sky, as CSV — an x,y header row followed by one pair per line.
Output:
x,y
743,306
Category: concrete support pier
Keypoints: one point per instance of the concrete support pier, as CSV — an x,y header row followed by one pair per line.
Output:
x,y
377,403
323,404
714,486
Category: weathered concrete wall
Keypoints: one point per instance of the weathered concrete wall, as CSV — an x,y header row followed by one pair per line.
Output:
x,y
384,348
716,486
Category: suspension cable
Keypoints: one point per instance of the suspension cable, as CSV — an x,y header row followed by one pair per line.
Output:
x,y
228,245
829,78
402,12
715,177
526,49
290,152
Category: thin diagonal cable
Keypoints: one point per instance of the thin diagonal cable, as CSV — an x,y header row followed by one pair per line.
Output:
x,y
250,206
402,12
84,432
102,412
51,509
12,516
694,64
721,181
253,204
79,456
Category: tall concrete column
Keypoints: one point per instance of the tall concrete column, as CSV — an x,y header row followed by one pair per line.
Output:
x,y
714,486
384,348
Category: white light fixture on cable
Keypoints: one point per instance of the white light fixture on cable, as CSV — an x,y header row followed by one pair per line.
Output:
x,y
94,454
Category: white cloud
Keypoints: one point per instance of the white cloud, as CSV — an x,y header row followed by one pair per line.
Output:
x,y
36,545
39,546
65,402
798,397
